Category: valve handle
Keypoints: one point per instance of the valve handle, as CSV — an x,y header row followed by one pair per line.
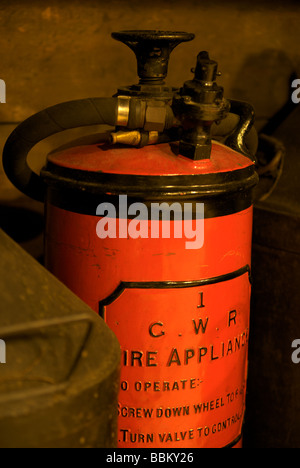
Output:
x,y
152,49
236,140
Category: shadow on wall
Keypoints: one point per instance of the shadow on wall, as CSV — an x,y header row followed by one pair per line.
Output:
x,y
23,221
265,80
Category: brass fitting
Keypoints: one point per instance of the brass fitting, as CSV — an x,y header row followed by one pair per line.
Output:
x,y
134,137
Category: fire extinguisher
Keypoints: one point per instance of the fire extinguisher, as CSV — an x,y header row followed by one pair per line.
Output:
x,y
151,226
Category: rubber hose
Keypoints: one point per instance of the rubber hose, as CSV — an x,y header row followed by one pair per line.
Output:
x,y
55,119
227,126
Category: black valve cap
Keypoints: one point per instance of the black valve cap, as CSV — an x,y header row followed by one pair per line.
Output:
x,y
206,69
152,49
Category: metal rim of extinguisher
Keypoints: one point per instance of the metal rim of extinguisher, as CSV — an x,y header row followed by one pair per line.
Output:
x,y
77,190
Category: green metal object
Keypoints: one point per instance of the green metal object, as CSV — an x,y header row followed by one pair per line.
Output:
x,y
59,362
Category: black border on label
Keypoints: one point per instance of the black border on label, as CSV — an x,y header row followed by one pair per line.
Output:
x,y
170,285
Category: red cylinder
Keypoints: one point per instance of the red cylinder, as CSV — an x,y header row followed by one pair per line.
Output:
x,y
175,288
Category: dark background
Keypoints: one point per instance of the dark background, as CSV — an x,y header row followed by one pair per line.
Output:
x,y
56,51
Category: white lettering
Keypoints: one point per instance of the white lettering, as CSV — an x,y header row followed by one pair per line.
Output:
x,y
296,353
2,352
2,91
296,93
188,221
